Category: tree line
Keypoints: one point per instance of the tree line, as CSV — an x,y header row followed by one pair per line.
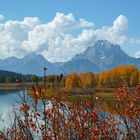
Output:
x,y
128,75
12,77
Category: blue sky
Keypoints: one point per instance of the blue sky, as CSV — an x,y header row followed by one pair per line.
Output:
x,y
99,12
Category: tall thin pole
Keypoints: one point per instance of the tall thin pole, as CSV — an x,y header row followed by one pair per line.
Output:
x,y
44,102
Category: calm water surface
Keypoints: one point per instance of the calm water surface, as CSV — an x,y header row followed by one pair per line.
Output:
x,y
8,99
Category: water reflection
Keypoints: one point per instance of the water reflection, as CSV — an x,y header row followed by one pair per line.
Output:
x,y
8,100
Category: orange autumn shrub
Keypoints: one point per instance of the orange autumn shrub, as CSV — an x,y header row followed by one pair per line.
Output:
x,y
59,118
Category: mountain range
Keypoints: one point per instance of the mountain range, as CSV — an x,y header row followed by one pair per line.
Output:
x,y
106,55
99,57
30,64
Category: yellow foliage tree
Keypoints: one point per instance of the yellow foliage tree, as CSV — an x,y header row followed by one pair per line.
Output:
x,y
72,80
90,79
134,78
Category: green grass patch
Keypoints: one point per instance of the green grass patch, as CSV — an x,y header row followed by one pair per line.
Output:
x,y
65,94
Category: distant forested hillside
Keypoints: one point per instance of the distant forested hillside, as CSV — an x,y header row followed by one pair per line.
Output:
x,y
8,77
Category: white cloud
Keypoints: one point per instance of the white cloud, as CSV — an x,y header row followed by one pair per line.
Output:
x,y
116,33
137,54
55,39
56,44
20,37
1,17
52,38
12,35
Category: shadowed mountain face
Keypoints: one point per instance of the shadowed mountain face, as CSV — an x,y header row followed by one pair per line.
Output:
x,y
30,64
80,65
105,56
101,56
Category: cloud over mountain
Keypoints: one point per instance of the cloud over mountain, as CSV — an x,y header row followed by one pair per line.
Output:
x,y
57,39
137,54
1,17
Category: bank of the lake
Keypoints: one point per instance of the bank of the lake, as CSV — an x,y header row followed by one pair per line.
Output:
x,y
15,86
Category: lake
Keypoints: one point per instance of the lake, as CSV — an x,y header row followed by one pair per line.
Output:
x,y
8,99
